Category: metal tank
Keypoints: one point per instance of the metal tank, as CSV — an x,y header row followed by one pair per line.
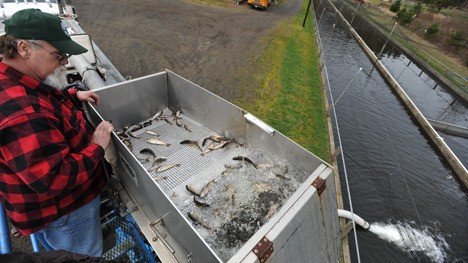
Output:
x,y
254,196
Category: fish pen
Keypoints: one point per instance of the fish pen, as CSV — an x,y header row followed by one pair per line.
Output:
x,y
209,182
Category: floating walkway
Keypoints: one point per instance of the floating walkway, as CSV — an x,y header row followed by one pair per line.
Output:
x,y
449,128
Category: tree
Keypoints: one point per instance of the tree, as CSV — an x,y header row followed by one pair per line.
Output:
x,y
404,16
457,38
432,31
395,7
418,7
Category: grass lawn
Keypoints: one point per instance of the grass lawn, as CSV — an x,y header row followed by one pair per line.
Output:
x,y
288,85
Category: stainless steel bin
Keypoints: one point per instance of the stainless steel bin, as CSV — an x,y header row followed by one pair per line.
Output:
x,y
298,219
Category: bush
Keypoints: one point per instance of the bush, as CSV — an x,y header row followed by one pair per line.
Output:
x,y
432,31
457,38
404,16
395,7
418,8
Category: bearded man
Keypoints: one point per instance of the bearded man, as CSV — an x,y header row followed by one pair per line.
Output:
x,y
51,169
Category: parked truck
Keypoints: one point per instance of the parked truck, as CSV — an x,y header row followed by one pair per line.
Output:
x,y
262,4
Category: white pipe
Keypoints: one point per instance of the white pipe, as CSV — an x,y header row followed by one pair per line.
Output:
x,y
351,216
87,72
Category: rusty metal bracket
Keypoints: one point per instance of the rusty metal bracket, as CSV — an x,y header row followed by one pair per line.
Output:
x,y
320,184
263,249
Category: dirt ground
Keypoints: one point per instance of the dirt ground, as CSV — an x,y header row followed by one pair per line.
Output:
x,y
209,45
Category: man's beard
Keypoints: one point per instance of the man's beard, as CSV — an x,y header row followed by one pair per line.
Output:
x,y
58,79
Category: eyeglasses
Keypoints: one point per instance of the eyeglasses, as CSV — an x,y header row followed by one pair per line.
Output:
x,y
60,55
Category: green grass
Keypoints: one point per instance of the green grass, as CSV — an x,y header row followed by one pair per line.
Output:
x,y
289,93
453,12
386,23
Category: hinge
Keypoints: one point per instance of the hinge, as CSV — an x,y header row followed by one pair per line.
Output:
x,y
320,184
263,249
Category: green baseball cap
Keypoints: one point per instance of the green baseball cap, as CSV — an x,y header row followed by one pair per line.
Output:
x,y
33,24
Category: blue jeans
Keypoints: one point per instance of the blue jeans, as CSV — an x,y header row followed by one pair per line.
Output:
x,y
77,232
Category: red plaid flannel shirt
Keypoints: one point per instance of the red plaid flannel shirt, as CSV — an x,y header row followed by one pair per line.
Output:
x,y
48,168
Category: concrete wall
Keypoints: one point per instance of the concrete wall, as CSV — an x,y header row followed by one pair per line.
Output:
x,y
438,141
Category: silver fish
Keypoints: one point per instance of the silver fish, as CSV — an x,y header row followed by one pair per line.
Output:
x,y
157,142
157,178
221,145
192,143
198,219
158,160
128,144
119,132
159,113
163,168
133,135
245,159
152,133
204,191
192,189
187,128
198,201
168,121
272,210
148,151
155,163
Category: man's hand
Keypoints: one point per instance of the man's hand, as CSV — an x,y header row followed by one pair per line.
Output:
x,y
88,96
102,134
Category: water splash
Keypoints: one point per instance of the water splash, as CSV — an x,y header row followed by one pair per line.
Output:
x,y
413,240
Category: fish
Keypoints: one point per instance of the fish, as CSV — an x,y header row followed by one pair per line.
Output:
x,y
176,115
119,132
157,178
192,189
230,193
143,160
168,121
221,145
245,159
155,163
187,128
208,148
272,210
133,135
133,128
158,160
159,113
148,151
216,138
214,146
198,201
152,133
128,144
146,123
157,142
198,219
262,187
281,171
192,143
162,168
206,189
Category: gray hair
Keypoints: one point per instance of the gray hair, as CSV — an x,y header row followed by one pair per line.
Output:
x,y
9,46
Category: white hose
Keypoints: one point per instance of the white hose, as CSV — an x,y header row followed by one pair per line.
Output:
x,y
351,216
